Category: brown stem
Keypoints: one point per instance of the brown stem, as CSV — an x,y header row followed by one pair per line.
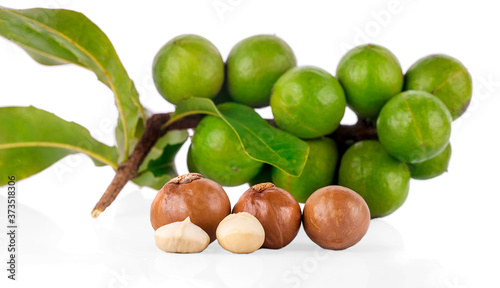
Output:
x,y
128,170
347,135
350,134
362,130
344,136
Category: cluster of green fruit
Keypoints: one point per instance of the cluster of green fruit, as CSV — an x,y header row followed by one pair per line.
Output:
x,y
412,112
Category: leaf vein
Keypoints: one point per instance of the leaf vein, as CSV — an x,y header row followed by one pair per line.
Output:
x,y
59,145
106,74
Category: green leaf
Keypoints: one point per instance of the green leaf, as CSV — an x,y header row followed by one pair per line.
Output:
x,y
260,140
159,167
56,36
32,139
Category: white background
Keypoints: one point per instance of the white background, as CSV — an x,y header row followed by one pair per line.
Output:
x,y
445,235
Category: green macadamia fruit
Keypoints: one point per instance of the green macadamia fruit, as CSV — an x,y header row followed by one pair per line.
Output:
x,y
308,102
433,167
190,162
379,178
444,77
414,126
370,75
254,65
218,154
318,171
188,66
223,95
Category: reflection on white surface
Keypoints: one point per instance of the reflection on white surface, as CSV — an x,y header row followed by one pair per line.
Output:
x,y
453,218
127,257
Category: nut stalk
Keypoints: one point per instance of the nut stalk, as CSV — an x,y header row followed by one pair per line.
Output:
x,y
128,170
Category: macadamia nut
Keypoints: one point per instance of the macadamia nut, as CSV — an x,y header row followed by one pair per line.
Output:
x,y
240,233
181,237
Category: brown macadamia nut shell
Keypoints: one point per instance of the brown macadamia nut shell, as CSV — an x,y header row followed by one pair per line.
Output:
x,y
336,217
203,200
276,209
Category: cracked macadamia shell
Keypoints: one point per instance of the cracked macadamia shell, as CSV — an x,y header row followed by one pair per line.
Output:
x,y
203,200
276,209
336,217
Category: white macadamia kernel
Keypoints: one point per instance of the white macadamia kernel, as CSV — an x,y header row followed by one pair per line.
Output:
x,y
240,233
181,237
